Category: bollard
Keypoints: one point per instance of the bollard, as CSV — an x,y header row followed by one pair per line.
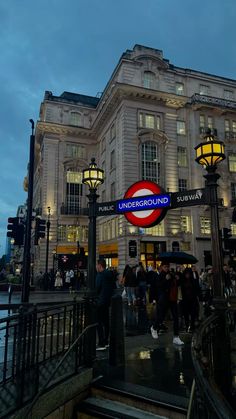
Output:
x,y
117,343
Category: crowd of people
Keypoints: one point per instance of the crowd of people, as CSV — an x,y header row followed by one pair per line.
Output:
x,y
60,280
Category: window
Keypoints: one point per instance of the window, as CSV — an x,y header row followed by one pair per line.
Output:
x,y
75,151
72,233
233,229
228,94
227,125
113,191
234,127
209,122
202,121
149,80
149,121
150,162
113,132
181,127
73,191
182,185
158,230
112,162
232,162
179,88
204,89
233,190
185,246
205,225
182,156
185,223
75,118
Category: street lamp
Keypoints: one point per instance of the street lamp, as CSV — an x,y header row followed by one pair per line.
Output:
x,y
209,153
47,240
54,252
93,177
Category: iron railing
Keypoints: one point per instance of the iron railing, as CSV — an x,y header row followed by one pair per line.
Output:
x,y
211,360
32,343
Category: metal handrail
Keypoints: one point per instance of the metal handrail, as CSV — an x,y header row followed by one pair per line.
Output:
x,y
211,391
40,393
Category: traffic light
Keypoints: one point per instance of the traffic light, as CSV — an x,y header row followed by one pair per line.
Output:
x,y
15,230
40,227
226,234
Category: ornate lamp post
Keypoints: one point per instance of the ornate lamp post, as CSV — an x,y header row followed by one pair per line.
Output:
x,y
47,240
93,177
209,154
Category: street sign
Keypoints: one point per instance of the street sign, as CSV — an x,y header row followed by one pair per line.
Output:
x,y
132,248
148,202
106,208
189,198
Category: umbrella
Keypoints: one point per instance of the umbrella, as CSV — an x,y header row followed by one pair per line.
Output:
x,y
177,257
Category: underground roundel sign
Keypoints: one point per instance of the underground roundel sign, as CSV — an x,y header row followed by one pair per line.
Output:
x,y
148,201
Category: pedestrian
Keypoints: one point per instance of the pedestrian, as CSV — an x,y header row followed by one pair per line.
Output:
x,y
105,286
58,281
190,293
166,296
67,279
141,283
130,283
227,284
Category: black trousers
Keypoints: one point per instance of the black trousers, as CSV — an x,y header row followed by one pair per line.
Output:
x,y
103,324
163,304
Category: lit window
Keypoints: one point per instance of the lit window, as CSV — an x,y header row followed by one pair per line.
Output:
x,y
158,230
179,88
229,94
182,156
209,122
75,118
205,225
112,162
181,127
233,190
204,90
73,191
233,229
149,80
232,162
227,125
182,185
185,223
234,126
185,246
149,121
150,162
75,151
72,233
202,121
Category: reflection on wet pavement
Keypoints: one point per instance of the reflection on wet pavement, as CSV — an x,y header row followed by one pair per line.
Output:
x,y
156,364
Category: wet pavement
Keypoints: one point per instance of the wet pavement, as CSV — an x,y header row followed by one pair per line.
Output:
x,y
154,364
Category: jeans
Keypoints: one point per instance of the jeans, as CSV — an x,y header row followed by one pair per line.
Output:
x,y
131,294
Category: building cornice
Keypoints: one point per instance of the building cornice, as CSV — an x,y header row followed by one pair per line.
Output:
x,y
61,129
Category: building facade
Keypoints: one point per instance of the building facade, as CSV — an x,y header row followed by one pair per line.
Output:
x,y
145,125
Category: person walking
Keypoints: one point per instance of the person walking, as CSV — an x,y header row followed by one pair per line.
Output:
x,y
166,296
130,283
105,286
58,280
190,294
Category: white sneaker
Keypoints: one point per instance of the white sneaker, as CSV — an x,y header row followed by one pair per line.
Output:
x,y
154,333
177,341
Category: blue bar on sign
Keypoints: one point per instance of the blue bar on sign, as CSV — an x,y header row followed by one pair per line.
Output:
x,y
143,203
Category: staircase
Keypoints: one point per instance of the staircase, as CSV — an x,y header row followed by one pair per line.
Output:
x,y
118,399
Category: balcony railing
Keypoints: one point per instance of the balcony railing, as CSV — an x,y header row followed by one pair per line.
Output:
x,y
215,102
69,210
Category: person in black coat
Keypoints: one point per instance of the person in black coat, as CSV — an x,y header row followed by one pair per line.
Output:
x,y
190,298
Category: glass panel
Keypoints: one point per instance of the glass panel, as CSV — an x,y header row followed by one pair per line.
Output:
x,y
232,162
181,127
149,80
179,88
205,225
182,156
150,162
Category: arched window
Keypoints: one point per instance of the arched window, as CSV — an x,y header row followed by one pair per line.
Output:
x,y
150,162
75,118
149,80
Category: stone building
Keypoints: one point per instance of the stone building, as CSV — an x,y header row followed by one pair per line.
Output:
x,y
145,125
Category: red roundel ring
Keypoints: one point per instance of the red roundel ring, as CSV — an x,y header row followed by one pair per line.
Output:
x,y
146,218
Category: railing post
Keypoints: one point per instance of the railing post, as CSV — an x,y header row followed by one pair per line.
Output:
x,y
90,339
20,372
33,361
